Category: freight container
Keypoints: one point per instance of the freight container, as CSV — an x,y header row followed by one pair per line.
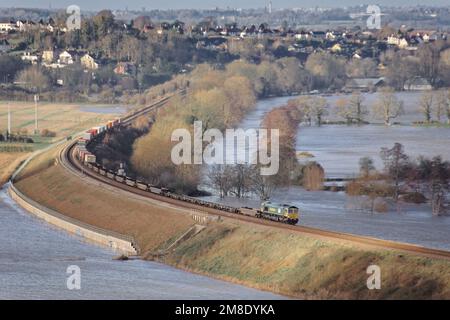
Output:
x,y
155,190
87,135
82,142
90,158
120,178
142,186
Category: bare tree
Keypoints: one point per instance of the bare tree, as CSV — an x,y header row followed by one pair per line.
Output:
x,y
263,186
220,179
439,184
353,109
319,108
33,78
366,165
436,173
394,162
240,180
360,110
344,110
441,105
447,108
388,106
426,105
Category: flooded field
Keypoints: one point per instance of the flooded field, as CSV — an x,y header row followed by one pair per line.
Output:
x,y
34,258
338,149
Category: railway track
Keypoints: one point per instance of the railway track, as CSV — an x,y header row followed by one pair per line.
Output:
x,y
71,163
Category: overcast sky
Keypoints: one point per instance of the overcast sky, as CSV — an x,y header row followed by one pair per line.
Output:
x,y
205,4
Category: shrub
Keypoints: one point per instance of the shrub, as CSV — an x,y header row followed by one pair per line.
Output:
x,y
313,176
381,206
48,133
414,197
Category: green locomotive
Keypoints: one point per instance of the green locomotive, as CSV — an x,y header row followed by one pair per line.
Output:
x,y
279,212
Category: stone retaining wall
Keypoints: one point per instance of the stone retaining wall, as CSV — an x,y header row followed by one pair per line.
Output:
x,y
120,243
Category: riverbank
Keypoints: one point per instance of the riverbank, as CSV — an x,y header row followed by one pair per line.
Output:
x,y
260,257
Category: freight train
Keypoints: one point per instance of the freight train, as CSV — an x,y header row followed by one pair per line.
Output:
x,y
276,212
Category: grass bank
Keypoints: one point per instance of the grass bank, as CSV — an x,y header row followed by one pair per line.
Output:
x,y
9,161
301,266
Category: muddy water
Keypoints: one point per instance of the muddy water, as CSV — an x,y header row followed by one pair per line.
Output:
x,y
34,258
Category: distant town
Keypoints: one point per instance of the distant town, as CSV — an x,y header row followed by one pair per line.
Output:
x,y
118,53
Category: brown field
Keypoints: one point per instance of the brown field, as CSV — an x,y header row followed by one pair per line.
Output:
x,y
62,118
257,256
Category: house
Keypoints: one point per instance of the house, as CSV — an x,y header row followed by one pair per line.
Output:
x,y
27,56
88,62
66,58
125,68
25,25
364,84
330,36
336,48
48,56
402,43
417,84
302,36
6,26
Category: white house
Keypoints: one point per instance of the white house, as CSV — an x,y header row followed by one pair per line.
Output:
x,y
402,43
302,36
27,56
6,26
24,25
330,36
88,62
65,58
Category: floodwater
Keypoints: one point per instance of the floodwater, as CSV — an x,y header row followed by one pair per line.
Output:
x,y
34,258
338,149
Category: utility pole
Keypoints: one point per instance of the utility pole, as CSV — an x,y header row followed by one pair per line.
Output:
x,y
36,127
8,133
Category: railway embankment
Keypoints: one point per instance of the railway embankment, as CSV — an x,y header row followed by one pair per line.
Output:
x,y
281,261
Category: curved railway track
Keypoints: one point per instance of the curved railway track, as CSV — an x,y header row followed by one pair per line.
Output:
x,y
71,163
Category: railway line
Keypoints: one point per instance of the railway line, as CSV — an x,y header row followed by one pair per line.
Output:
x,y
70,162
